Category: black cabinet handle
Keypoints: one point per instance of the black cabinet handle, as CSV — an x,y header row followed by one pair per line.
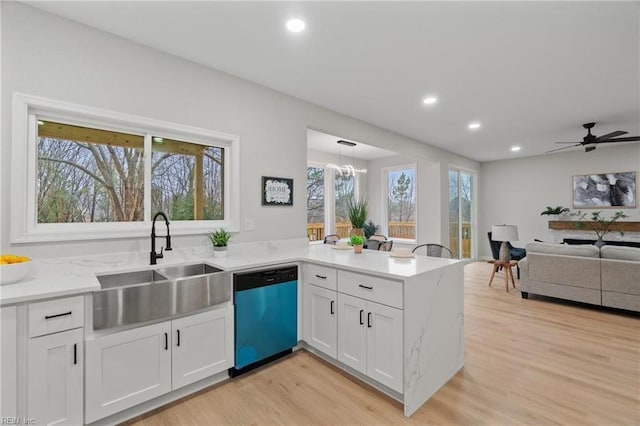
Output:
x,y
332,304
369,319
75,353
166,341
178,337
361,318
57,315
322,277
365,286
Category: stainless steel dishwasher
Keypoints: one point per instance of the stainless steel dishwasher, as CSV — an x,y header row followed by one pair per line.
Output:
x,y
266,316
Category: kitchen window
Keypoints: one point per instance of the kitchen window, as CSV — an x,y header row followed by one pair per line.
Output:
x,y
401,202
315,203
96,174
327,195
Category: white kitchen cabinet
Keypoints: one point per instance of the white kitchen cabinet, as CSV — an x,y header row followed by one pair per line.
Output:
x,y
370,339
130,367
352,332
55,373
9,359
127,368
384,345
202,346
320,319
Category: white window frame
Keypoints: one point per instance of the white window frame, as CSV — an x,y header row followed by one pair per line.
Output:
x,y
385,200
330,201
27,110
474,209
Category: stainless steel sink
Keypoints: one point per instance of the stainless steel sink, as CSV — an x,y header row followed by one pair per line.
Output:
x,y
182,271
140,296
129,278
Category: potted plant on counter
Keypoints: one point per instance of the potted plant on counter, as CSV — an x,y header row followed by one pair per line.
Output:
x,y
219,239
554,212
357,241
357,210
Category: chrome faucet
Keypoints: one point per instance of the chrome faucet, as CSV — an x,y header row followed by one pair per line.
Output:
x,y
155,255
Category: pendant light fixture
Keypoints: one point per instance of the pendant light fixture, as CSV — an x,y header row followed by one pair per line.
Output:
x,y
347,169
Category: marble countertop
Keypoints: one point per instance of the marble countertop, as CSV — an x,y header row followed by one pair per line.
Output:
x,y
58,277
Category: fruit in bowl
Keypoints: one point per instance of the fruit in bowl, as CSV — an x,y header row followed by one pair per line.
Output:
x,y
13,268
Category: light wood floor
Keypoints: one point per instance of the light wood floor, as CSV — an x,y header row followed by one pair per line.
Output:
x,y
533,362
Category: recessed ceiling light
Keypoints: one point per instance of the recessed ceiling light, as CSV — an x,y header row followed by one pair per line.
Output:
x,y
474,125
295,25
430,100
515,148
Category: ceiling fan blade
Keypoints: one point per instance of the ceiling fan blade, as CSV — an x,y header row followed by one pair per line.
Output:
x,y
611,135
570,142
564,147
626,139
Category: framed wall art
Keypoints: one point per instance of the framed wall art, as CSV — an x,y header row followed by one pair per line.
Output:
x,y
277,191
605,190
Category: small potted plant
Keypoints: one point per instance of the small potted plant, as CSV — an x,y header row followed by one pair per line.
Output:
x,y
357,210
554,212
357,241
219,239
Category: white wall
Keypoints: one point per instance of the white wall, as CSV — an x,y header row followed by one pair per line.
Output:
x,y
45,55
516,191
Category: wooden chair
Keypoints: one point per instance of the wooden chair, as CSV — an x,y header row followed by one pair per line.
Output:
x,y
385,245
331,239
433,250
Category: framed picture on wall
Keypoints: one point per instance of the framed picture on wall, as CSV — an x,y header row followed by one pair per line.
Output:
x,y
277,191
605,190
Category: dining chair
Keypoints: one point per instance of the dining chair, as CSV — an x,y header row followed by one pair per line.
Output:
x,y
433,250
372,244
378,237
331,239
385,245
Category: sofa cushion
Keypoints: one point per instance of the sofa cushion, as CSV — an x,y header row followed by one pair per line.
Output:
x,y
620,253
563,249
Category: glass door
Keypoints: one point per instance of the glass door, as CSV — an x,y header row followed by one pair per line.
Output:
x,y
460,213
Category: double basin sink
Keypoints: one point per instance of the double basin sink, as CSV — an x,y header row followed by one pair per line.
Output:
x,y
145,295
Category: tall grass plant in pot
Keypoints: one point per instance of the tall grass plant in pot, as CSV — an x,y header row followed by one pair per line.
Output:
x,y
358,211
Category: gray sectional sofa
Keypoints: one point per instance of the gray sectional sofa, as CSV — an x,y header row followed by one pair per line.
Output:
x,y
607,277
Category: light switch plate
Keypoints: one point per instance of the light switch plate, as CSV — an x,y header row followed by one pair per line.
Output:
x,y
249,224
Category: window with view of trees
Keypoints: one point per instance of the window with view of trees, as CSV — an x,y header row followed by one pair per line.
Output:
x,y
92,175
186,180
344,190
315,203
401,203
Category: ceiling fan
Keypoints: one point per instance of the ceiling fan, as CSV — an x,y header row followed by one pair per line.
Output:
x,y
590,141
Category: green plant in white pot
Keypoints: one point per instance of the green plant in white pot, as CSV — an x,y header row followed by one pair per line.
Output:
x,y
219,240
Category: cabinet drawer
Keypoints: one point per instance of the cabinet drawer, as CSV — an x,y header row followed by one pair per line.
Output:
x,y
371,288
56,315
321,276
